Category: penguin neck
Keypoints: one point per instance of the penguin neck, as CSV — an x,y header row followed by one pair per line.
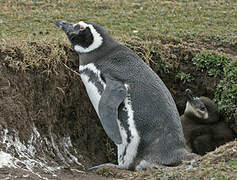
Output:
x,y
193,118
108,46
212,118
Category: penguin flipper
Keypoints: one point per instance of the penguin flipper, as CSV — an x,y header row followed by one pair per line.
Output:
x,y
113,95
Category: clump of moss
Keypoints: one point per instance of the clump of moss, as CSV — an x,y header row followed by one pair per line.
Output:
x,y
211,62
226,91
184,77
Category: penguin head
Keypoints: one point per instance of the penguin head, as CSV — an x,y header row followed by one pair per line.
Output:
x,y
195,106
84,36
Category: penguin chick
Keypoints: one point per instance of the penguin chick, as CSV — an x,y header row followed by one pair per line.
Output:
x,y
202,129
133,104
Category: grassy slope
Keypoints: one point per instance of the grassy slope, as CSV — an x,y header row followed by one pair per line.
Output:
x,y
144,20
183,18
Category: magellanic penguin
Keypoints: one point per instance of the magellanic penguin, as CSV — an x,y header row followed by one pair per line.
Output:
x,y
203,129
134,106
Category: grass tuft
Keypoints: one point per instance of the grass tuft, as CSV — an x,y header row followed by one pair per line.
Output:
x,y
212,62
226,92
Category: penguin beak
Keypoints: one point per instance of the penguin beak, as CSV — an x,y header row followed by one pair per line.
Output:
x,y
65,26
189,95
194,101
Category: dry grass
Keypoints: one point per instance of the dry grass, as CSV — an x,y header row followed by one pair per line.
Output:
x,y
42,56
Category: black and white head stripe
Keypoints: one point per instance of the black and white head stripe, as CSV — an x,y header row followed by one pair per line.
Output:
x,y
95,40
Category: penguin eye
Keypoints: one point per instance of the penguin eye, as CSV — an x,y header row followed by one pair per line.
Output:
x,y
202,108
79,27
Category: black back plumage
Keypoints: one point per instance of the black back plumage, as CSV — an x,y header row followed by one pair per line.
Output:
x,y
155,114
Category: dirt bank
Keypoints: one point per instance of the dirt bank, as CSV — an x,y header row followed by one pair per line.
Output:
x,y
46,120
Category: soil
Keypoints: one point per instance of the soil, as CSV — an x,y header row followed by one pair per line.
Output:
x,y
19,174
47,120
52,114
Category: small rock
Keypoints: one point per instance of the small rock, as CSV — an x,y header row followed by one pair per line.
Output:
x,y
25,175
1,21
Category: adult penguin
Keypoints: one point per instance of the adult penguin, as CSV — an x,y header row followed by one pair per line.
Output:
x,y
134,106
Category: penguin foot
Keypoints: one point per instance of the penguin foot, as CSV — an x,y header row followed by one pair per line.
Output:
x,y
102,166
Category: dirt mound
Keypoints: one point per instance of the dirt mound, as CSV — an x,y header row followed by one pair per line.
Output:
x,y
223,153
46,119
219,164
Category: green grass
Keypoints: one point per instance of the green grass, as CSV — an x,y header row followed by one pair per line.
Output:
x,y
212,62
212,19
184,77
226,93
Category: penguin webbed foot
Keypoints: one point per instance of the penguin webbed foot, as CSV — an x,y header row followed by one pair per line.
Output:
x,y
95,168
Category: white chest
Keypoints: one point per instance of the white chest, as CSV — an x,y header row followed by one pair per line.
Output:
x,y
92,92
91,78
